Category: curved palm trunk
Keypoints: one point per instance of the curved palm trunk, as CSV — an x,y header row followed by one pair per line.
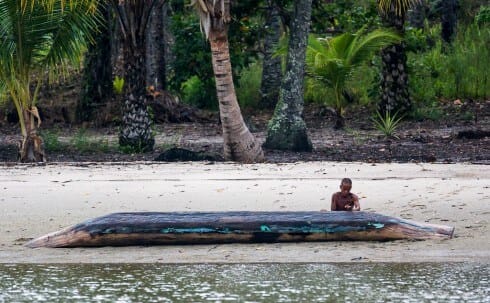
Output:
x,y
395,96
272,73
239,144
31,147
287,129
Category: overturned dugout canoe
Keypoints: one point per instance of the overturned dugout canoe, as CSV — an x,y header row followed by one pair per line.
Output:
x,y
156,228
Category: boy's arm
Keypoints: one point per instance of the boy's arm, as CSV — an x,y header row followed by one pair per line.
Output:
x,y
333,205
357,206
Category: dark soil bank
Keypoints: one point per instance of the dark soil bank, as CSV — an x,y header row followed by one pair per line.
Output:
x,y
459,135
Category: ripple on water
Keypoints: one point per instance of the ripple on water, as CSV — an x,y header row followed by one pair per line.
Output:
x,y
379,282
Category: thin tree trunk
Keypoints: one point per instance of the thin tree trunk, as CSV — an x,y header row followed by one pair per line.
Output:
x,y
272,72
448,11
395,97
417,16
31,147
239,144
287,129
155,49
97,73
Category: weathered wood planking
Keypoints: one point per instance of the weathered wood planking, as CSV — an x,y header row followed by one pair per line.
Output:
x,y
150,228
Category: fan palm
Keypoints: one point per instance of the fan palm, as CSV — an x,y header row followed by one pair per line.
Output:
x,y
394,85
331,62
36,37
239,143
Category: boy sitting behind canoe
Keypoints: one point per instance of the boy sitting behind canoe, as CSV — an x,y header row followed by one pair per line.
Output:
x,y
344,199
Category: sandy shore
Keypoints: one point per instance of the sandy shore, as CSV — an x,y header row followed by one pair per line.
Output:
x,y
37,200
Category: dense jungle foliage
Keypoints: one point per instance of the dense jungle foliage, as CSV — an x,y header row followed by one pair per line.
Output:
x,y
444,47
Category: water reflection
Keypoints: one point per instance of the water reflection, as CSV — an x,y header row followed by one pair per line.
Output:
x,y
246,283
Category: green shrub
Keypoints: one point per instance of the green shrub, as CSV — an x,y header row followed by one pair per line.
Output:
x,y
248,88
51,141
483,16
193,92
82,143
421,113
118,85
458,71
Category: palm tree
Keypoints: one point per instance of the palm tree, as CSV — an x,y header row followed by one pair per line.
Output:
x,y
330,62
239,144
133,17
37,37
287,128
394,85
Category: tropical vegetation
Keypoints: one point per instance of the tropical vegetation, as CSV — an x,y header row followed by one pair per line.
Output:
x,y
138,55
39,38
331,63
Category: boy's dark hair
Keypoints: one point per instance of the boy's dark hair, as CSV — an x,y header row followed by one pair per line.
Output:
x,y
346,181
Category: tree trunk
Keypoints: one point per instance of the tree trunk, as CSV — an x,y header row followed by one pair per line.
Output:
x,y
155,49
339,120
417,16
31,147
448,11
272,72
136,132
287,129
395,97
97,73
239,144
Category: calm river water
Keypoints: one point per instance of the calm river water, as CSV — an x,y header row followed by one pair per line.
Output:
x,y
377,282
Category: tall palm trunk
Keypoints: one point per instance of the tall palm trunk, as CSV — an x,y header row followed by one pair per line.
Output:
x,y
271,71
239,144
287,129
136,127
135,132
395,96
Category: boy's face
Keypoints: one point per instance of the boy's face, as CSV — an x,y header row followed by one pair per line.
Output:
x,y
345,188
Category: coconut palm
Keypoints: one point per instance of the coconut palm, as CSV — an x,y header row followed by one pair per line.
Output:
x,y
239,144
37,37
394,85
330,62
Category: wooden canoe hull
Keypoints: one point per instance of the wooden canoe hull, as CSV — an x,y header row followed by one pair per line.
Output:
x,y
153,228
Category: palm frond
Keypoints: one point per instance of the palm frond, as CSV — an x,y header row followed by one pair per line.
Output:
x,y
38,35
365,45
212,13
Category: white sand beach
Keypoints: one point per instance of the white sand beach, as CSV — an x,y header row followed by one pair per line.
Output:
x,y
36,200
